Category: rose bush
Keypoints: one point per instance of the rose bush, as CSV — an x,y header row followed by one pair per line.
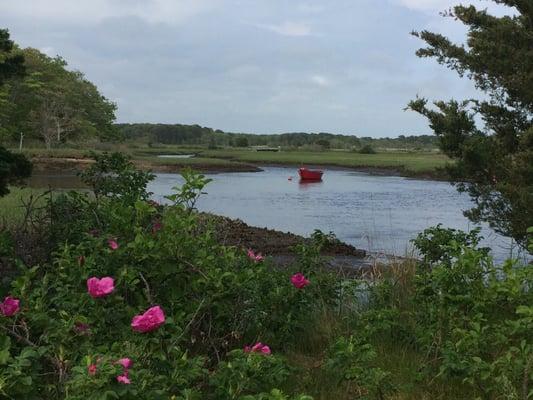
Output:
x,y
127,310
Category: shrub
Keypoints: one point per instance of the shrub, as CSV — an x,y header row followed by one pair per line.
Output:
x,y
65,341
367,149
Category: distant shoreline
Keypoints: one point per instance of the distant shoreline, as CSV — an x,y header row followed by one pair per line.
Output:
x,y
43,165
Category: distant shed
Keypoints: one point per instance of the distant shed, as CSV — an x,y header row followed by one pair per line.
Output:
x,y
265,148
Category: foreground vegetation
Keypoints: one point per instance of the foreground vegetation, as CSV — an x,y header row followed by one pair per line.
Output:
x,y
138,301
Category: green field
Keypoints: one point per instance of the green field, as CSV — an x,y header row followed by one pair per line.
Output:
x,y
410,163
12,206
415,161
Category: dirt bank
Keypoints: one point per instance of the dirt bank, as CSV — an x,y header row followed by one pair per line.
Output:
x,y
280,246
55,164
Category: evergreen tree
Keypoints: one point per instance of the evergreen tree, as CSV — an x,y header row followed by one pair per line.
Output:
x,y
494,157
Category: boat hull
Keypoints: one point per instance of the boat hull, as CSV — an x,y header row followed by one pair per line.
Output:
x,y
310,175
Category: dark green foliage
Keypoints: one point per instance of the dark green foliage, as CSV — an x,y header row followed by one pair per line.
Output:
x,y
353,360
244,374
241,142
197,135
494,162
11,63
114,176
437,244
53,104
13,168
367,149
471,320
216,300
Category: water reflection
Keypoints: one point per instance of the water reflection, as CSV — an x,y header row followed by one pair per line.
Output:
x,y
307,185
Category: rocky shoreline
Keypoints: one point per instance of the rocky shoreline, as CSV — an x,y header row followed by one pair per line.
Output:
x,y
280,246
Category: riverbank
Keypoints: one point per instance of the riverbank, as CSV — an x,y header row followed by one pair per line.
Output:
x,y
281,246
420,165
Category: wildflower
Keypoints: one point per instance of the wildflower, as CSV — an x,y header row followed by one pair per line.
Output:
x,y
91,369
152,319
126,363
94,232
258,348
124,379
156,227
10,306
255,257
112,243
100,287
299,281
82,328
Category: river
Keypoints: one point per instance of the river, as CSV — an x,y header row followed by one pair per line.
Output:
x,y
380,214
372,212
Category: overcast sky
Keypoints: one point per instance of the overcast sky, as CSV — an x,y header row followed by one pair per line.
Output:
x,y
263,66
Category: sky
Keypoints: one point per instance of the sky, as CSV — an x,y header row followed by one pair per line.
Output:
x,y
256,66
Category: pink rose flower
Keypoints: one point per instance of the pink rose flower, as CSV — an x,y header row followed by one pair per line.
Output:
x,y
10,306
124,379
299,281
100,287
255,257
91,369
112,243
82,328
156,227
258,348
152,319
126,363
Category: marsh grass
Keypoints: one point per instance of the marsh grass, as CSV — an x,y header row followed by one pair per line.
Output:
x,y
14,206
404,363
409,163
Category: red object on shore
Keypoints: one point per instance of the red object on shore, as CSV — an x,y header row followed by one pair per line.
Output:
x,y
310,174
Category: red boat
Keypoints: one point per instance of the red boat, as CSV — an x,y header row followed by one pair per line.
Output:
x,y
310,174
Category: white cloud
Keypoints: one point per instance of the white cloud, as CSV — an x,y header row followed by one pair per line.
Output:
x,y
441,5
311,8
320,80
168,11
49,51
289,29
427,5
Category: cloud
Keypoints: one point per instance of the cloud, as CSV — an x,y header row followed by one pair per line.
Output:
x,y
154,11
289,28
441,5
320,80
428,5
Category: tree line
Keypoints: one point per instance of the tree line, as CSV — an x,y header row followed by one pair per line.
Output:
x,y
179,134
41,99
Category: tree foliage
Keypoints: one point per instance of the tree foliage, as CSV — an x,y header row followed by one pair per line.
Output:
x,y
197,135
54,104
490,139
12,166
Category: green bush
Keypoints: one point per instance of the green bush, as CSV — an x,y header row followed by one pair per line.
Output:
x,y
367,149
65,343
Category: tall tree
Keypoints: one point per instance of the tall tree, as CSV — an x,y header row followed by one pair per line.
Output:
x,y
490,139
13,167
56,104
11,63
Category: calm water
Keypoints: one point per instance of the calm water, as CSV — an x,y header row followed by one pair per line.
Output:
x,y
376,213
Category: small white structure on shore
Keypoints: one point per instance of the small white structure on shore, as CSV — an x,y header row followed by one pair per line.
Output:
x,y
265,148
